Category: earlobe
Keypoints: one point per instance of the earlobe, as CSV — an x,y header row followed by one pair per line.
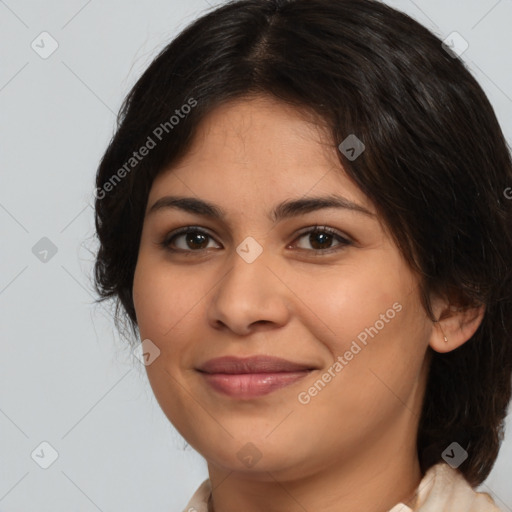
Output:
x,y
455,327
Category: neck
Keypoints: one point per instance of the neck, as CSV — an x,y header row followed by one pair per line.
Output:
x,y
375,486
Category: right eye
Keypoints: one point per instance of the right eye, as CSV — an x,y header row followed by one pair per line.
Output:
x,y
188,239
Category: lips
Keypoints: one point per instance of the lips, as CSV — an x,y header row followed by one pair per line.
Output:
x,y
252,377
254,364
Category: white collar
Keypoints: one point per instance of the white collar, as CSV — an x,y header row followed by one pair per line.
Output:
x,y
442,489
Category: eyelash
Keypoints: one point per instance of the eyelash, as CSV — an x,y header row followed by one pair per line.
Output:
x,y
343,241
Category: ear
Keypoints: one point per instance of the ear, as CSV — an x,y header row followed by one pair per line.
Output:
x,y
455,325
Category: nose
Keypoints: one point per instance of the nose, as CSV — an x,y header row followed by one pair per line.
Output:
x,y
249,297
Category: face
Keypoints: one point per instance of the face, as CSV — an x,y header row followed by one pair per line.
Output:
x,y
271,270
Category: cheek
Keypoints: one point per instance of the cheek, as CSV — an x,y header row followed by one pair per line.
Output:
x,y
343,302
163,298
166,305
381,355
374,320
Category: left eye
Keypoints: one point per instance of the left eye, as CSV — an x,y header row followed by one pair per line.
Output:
x,y
320,239
196,240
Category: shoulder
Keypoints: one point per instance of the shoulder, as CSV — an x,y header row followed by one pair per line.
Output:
x,y
442,489
199,500
445,488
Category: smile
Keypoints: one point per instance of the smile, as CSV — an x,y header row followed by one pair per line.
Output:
x,y
252,385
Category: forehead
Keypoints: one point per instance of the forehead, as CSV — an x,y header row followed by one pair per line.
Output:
x,y
259,147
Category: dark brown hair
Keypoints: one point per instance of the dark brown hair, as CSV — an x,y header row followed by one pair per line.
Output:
x,y
436,166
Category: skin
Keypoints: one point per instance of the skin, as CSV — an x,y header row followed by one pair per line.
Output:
x,y
353,446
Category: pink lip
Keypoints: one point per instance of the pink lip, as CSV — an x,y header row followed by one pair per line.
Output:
x,y
251,385
253,376
253,364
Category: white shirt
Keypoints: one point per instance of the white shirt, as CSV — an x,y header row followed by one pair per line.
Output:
x,y
442,489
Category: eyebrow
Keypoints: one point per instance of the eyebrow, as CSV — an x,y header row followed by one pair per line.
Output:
x,y
283,210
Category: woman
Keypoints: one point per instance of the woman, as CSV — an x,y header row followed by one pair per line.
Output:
x,y
302,214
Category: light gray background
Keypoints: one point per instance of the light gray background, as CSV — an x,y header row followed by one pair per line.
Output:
x,y
65,377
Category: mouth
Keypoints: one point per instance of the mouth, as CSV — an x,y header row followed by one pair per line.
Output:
x,y
253,364
246,378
